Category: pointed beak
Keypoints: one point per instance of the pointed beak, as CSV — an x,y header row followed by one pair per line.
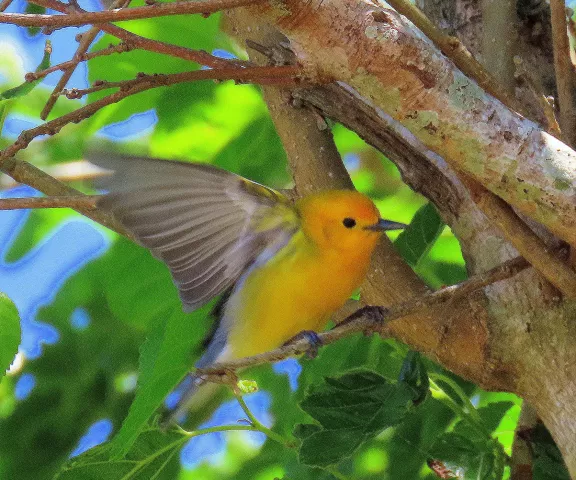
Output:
x,y
383,225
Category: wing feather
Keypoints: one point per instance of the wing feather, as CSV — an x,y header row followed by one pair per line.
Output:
x,y
206,224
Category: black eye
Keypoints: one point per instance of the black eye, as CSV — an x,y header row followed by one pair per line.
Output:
x,y
349,222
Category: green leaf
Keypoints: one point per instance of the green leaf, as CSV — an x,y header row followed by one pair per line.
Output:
x,y
9,333
37,9
128,285
27,87
490,415
417,239
467,459
304,430
151,454
166,355
249,154
350,409
415,375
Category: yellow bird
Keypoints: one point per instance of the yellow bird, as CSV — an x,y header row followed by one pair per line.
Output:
x,y
287,267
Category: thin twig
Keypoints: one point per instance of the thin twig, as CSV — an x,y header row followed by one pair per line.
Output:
x,y
366,323
63,201
251,74
85,42
564,71
198,56
28,174
4,4
456,51
120,48
204,7
138,85
65,172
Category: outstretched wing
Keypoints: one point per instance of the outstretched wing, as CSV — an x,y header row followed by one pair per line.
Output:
x,y
208,225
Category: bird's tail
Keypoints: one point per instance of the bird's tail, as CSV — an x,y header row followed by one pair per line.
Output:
x,y
198,401
196,394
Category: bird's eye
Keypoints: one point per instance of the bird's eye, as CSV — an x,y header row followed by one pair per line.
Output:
x,y
349,222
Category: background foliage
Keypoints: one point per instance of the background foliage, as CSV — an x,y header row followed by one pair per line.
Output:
x,y
105,340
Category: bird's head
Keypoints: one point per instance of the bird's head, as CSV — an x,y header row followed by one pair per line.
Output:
x,y
343,220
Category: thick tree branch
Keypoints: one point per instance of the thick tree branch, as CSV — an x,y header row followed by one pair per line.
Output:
x,y
535,87
454,49
363,323
390,63
204,7
521,467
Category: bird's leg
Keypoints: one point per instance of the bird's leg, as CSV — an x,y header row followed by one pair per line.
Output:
x,y
377,316
314,342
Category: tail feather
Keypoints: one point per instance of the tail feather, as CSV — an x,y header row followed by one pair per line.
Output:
x,y
195,392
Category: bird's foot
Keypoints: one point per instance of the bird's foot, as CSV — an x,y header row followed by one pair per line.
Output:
x,y
375,314
314,342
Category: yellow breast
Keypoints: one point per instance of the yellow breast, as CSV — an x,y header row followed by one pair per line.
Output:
x,y
298,289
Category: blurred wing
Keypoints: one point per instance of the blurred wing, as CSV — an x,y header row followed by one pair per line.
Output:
x,y
208,225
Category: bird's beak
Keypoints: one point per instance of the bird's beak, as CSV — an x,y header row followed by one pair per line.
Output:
x,y
383,225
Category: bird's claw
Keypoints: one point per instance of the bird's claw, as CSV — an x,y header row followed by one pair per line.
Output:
x,y
376,315
314,342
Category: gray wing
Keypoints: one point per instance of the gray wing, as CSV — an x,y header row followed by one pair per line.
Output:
x,y
208,225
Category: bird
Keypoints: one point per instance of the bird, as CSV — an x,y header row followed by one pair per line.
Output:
x,y
282,267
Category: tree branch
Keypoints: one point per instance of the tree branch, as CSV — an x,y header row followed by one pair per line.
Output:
x,y
453,48
87,202
564,71
204,7
260,75
135,86
28,174
198,56
521,465
499,41
355,323
4,4
556,271
85,42
390,63
535,86
120,48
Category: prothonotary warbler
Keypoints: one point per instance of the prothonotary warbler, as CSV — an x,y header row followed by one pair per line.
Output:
x,y
287,267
